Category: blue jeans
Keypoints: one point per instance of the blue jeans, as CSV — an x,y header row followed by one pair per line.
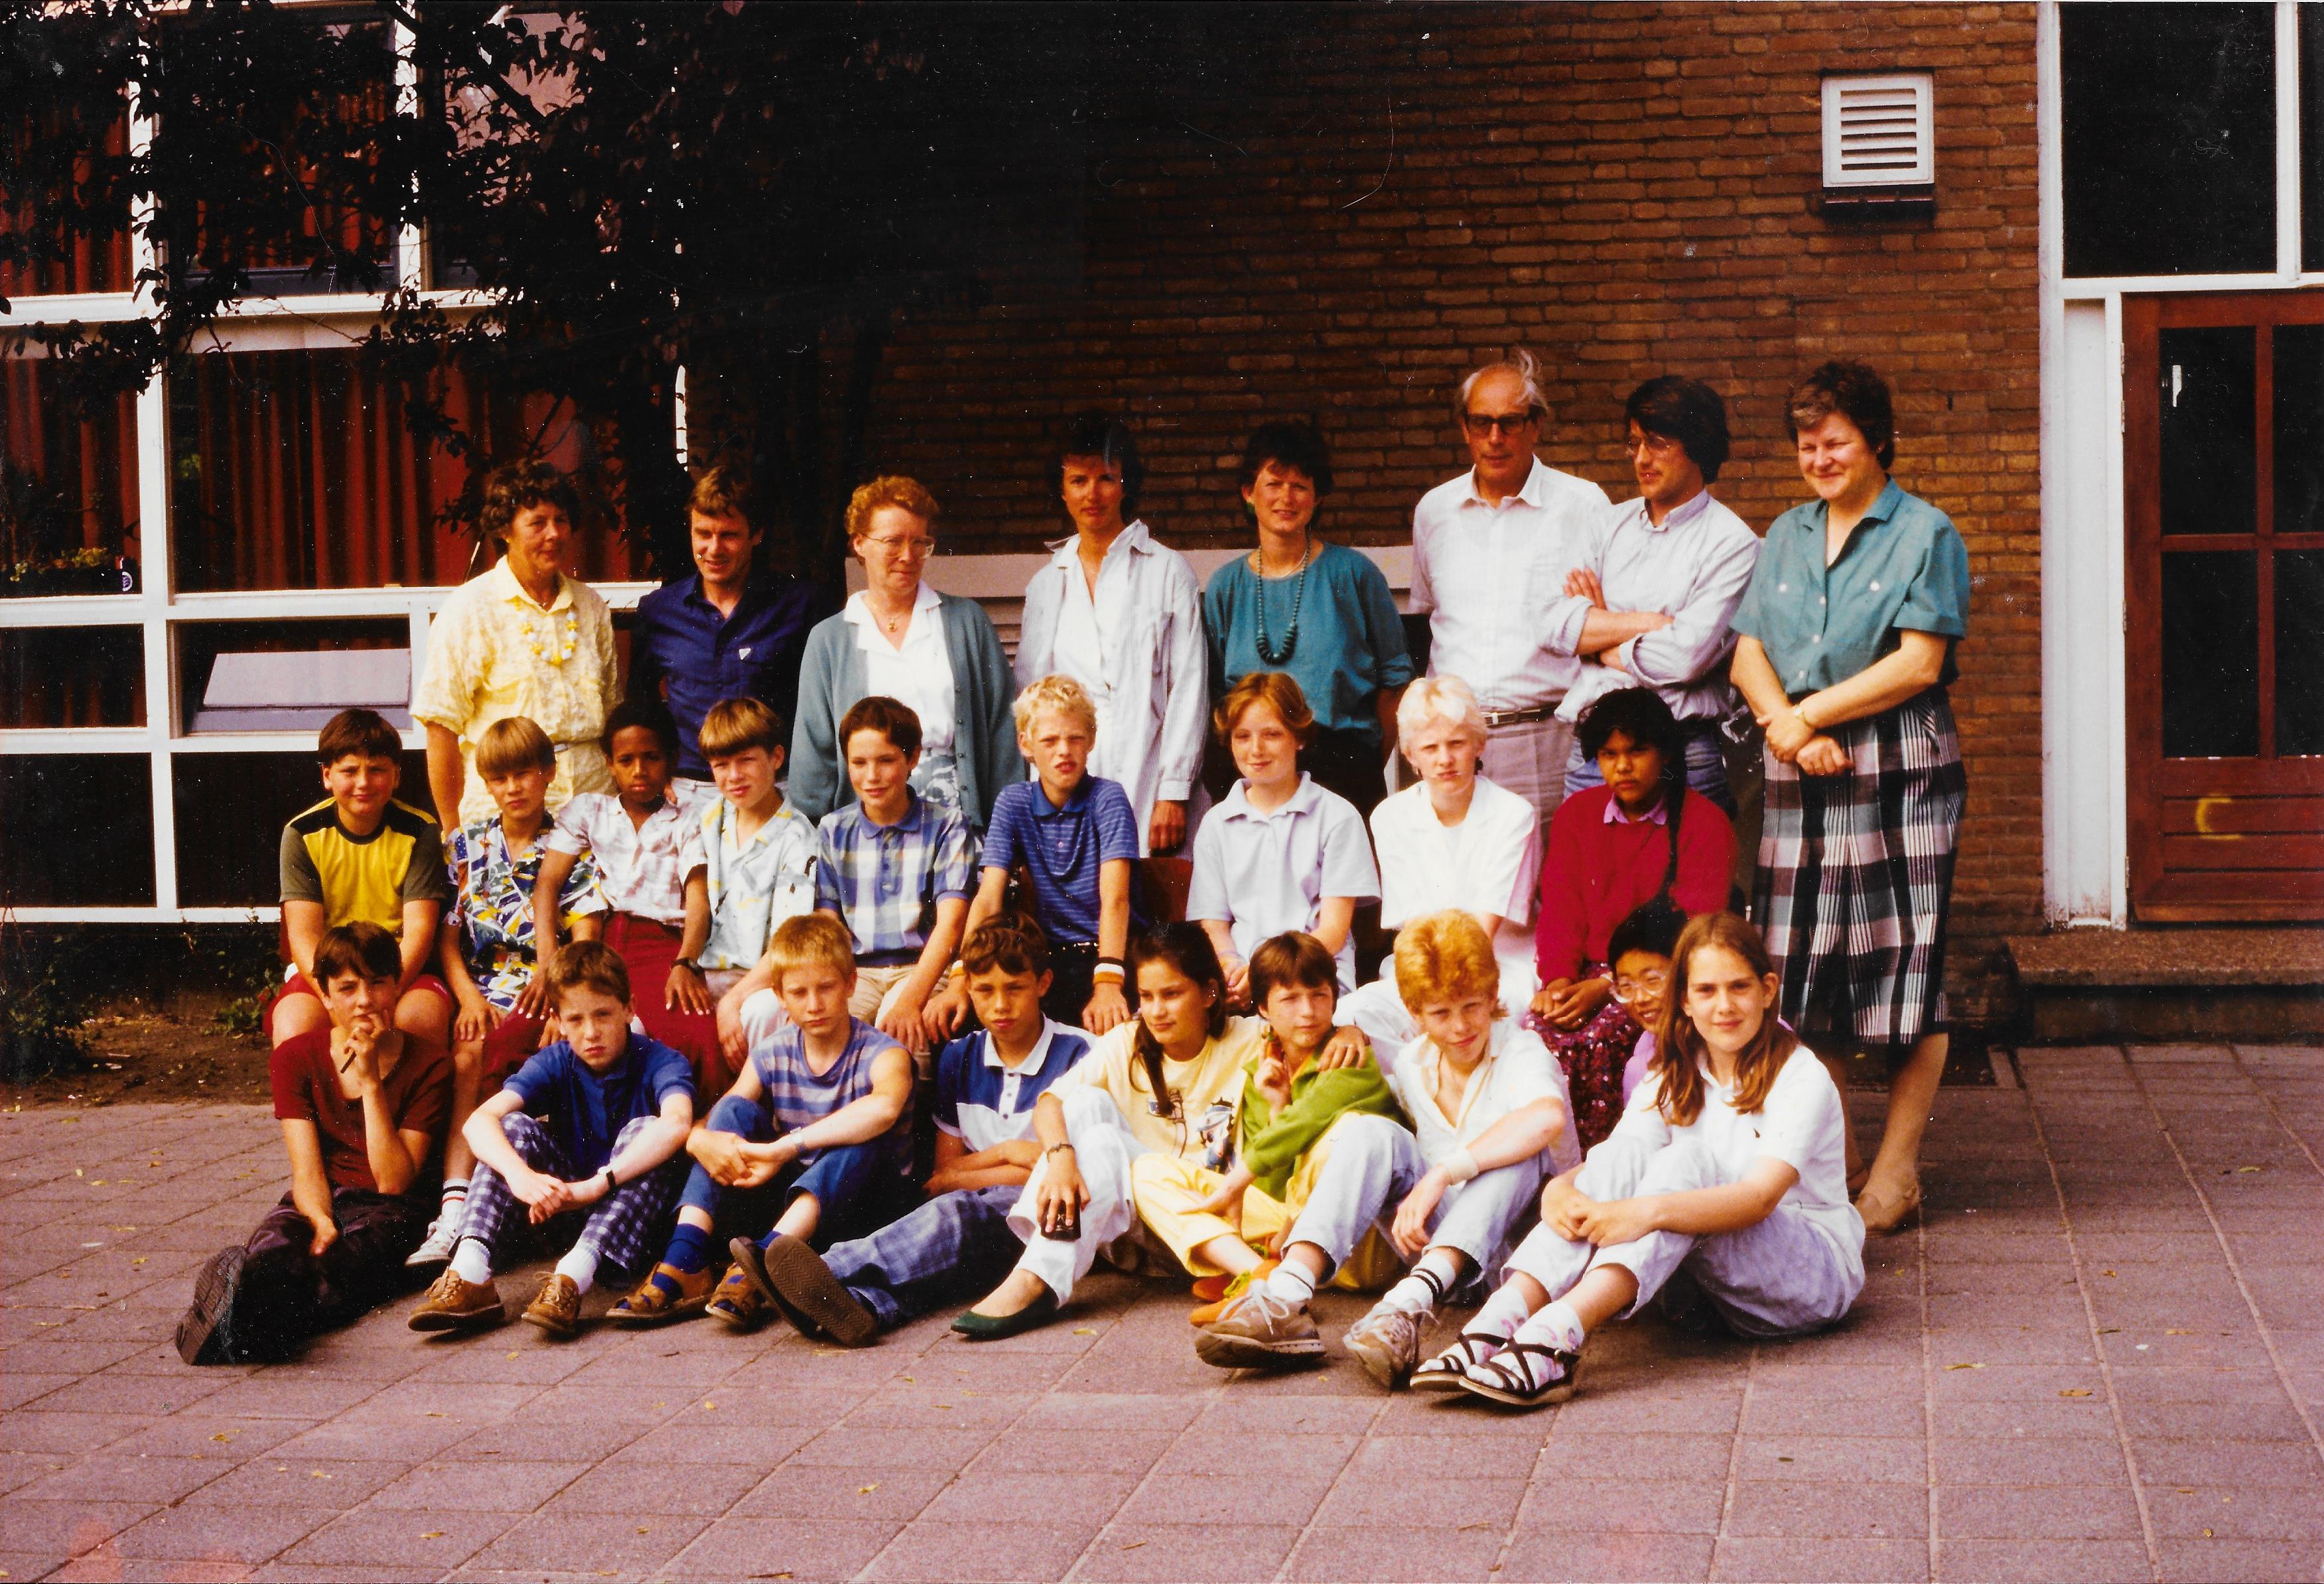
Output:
x,y
955,1246
858,1185
1706,766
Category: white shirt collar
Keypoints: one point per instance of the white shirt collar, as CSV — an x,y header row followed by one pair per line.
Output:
x,y
1615,816
859,609
1035,1059
1235,805
1534,493
1430,1065
505,585
1135,539
1679,516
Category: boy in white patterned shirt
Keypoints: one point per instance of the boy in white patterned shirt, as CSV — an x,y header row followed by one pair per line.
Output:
x,y
763,857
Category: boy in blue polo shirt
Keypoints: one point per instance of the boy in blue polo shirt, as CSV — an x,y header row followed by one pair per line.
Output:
x,y
958,1244
1075,837
592,1124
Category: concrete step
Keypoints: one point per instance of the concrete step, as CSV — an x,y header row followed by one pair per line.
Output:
x,y
2249,983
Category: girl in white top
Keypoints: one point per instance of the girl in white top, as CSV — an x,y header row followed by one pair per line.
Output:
x,y
1730,1160
1453,839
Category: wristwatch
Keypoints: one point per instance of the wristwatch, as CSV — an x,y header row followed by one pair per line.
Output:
x,y
688,963
611,1182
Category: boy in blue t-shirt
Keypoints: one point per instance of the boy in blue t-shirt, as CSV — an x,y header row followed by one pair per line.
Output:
x,y
1075,836
958,1244
592,1124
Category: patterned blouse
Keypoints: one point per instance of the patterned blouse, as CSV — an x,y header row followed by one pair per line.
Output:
x,y
495,911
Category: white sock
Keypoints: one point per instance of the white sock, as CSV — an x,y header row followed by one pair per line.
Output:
x,y
1291,1282
1554,1325
1503,1312
580,1263
456,1191
472,1262
1431,1281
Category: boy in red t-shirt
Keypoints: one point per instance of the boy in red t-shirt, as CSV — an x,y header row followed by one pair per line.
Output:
x,y
362,1106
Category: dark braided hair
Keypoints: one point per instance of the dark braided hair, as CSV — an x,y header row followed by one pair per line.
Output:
x,y
1186,948
1640,714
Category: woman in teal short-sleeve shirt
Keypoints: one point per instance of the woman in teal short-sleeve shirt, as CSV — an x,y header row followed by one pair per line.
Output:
x,y
1845,651
1321,612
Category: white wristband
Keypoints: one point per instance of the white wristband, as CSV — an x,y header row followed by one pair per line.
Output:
x,y
1460,1166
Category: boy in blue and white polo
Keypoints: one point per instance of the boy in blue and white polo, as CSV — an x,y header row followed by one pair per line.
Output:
x,y
958,1244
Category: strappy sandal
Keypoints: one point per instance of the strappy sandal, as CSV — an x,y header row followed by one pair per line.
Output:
x,y
736,1303
1449,1371
1498,1381
1883,1217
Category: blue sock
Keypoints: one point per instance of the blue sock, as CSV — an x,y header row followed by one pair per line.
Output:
x,y
688,1251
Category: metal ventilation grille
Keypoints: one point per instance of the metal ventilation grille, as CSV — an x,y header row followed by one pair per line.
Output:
x,y
1879,130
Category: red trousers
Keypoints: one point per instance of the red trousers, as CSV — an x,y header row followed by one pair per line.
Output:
x,y
647,950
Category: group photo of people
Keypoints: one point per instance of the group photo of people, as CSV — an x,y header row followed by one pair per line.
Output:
x,y
838,967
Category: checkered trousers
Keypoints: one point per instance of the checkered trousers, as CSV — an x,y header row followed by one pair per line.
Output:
x,y
1856,875
956,1246
627,1227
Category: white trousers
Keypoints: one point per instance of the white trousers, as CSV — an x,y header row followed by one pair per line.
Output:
x,y
1102,1150
1781,1278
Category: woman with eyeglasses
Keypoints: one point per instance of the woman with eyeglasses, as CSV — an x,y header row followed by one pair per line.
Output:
x,y
1642,834
901,639
1321,612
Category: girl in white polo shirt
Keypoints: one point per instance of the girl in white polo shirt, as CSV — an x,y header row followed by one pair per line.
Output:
x,y
1730,1160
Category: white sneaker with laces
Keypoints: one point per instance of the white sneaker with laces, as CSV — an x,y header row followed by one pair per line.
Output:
x,y
443,1237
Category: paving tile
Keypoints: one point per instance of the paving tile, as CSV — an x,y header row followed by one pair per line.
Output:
x,y
1317,1456
2291,1465
1793,1509
2238,1561
1882,1460
846,1447
1580,1555
1283,1497
1392,1556
1782,1560
66,1528
1020,1450
1113,1411
1454,1501
945,1551
772,1548
852,1495
1497,1456
228,1535
2213,1512
1067,1495
1661,1507
505,1486
157,1482
2039,1561
376,1536
2028,1461
1166,1553
630,1544
276,1480
1776,1414
702,1490
70,1435
2057,1512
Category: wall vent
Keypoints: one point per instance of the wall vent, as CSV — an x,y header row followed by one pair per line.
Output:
x,y
1879,130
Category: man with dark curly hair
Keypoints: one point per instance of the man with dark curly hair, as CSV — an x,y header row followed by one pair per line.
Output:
x,y
522,640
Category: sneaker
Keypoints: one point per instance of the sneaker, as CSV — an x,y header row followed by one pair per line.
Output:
x,y
650,1303
1526,1375
804,1288
737,1303
443,1237
1448,1370
204,1335
1260,1330
1387,1343
453,1304
1230,1289
557,1307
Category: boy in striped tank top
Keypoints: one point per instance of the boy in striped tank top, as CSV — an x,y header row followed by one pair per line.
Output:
x,y
815,1137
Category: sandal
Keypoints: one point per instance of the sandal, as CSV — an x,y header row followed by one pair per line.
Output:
x,y
1507,1377
1448,1370
651,1304
1883,1217
737,1302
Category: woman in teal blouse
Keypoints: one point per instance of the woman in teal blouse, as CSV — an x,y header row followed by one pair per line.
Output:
x,y
1845,653
1321,612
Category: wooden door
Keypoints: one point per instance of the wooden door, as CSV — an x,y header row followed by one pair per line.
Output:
x,y
2224,579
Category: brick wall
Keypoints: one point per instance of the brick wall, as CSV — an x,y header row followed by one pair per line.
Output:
x,y
1627,190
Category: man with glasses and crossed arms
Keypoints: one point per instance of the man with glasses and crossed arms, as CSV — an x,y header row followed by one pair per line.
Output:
x,y
1491,553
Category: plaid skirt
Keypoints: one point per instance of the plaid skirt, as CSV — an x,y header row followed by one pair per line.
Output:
x,y
1856,875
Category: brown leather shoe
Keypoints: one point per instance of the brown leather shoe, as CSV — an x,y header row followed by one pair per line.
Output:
x,y
557,1307
453,1304
649,1304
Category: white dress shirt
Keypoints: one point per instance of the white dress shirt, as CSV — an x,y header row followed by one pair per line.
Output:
x,y
1692,567
1484,575
642,868
917,672
1488,864
1516,1071
1136,646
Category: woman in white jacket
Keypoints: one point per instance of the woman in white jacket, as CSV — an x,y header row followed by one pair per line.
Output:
x,y
1122,615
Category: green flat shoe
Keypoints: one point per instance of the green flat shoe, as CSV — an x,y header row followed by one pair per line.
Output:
x,y
991,1327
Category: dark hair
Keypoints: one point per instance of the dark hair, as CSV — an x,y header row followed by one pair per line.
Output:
x,y
647,713
1652,926
1852,390
1292,959
362,732
1012,944
893,719
517,487
1278,691
1640,714
589,965
1104,435
1293,442
1678,1046
1186,948
723,489
358,947
1686,410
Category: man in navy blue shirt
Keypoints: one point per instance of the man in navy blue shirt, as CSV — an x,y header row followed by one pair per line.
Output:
x,y
722,633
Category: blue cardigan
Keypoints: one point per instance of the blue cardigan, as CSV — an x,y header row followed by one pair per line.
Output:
x,y
983,710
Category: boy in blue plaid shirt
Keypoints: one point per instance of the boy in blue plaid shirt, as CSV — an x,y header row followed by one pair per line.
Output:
x,y
958,1244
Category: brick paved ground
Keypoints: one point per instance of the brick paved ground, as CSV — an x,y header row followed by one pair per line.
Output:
x,y
2104,1358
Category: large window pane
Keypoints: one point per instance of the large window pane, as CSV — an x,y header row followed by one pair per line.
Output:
x,y
68,489
71,676
231,808
2209,449
300,470
2299,652
78,831
2210,654
92,263
2169,116
200,643
2299,431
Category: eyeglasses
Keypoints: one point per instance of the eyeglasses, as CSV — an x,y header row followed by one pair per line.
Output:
x,y
1645,987
889,544
1508,423
1652,445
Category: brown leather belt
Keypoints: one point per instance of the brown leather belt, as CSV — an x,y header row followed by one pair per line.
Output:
x,y
1497,719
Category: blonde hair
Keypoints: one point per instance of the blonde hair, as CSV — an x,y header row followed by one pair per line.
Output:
x,y
736,725
1430,699
889,489
811,940
1443,956
1061,694
514,743
1279,691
